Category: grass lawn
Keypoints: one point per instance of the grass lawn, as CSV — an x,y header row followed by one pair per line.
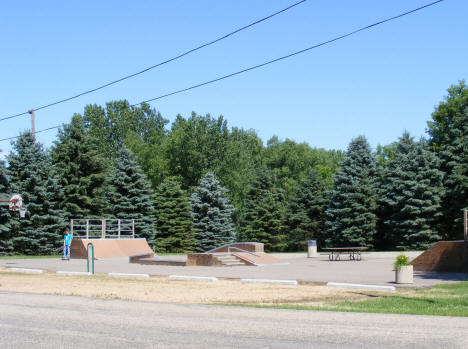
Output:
x,y
444,300
23,256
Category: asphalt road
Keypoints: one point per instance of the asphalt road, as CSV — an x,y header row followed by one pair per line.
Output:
x,y
47,321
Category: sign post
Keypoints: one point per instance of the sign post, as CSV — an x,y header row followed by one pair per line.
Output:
x,y
88,255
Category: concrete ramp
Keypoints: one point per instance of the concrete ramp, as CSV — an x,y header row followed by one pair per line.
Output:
x,y
110,248
238,253
260,259
445,256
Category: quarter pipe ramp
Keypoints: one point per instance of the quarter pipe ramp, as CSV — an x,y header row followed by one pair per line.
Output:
x,y
110,248
445,256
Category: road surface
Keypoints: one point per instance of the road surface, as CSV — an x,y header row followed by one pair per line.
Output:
x,y
48,321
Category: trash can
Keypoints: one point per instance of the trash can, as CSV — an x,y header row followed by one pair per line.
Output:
x,y
312,249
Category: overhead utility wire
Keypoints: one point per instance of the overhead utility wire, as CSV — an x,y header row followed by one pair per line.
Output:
x,y
159,64
46,129
290,55
284,57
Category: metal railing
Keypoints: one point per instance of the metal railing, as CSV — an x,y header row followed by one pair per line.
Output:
x,y
244,251
237,243
95,228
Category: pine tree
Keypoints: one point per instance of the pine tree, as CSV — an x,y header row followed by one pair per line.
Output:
x,y
351,213
212,214
56,220
306,212
5,242
263,215
130,195
82,172
29,170
174,228
449,138
410,196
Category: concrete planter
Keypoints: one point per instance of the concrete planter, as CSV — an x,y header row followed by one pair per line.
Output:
x,y
404,275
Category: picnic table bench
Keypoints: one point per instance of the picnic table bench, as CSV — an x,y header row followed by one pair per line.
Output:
x,y
354,252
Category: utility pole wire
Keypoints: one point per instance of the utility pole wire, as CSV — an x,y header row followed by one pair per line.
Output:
x,y
46,129
159,64
280,58
290,55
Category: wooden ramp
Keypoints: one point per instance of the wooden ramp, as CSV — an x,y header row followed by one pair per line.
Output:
x,y
445,256
110,248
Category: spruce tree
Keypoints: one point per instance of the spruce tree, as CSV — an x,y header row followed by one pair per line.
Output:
x,y
306,212
263,214
82,171
449,138
351,213
409,198
30,171
211,214
5,242
56,220
130,195
174,228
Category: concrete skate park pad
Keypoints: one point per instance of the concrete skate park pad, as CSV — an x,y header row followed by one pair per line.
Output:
x,y
376,268
236,254
110,248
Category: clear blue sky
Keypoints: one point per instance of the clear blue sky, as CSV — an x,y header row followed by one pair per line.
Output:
x,y
377,83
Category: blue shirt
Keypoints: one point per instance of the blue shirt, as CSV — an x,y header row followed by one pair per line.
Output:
x,y
67,239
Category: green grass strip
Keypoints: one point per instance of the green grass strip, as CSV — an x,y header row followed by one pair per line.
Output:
x,y
441,300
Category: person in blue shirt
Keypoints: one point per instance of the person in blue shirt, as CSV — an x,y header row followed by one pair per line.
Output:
x,y
66,244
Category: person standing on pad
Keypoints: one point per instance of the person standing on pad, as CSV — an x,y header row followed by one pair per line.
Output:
x,y
66,244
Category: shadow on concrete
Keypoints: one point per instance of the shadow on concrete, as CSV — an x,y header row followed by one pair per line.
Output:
x,y
442,276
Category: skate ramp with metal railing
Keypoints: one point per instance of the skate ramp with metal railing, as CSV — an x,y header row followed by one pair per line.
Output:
x,y
110,248
244,253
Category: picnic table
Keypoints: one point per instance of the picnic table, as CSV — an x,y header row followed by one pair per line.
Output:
x,y
354,252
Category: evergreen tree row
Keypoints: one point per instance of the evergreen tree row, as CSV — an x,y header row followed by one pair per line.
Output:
x,y
199,185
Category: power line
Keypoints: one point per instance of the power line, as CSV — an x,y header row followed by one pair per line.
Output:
x,y
46,129
292,54
278,59
158,64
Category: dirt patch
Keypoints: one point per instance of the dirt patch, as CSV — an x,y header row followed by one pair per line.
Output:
x,y
161,289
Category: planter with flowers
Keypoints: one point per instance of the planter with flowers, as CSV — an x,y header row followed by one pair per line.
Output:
x,y
403,270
